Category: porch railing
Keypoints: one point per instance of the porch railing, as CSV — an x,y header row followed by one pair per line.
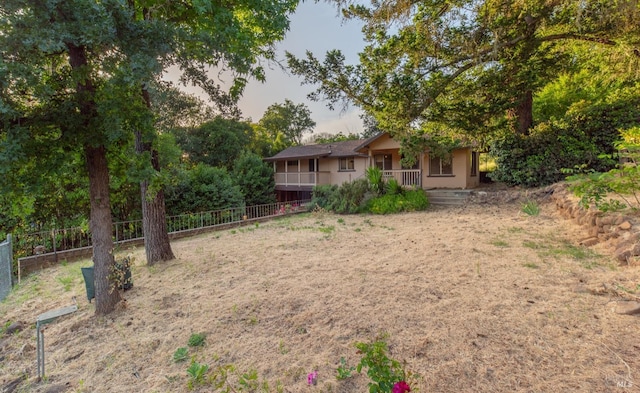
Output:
x,y
405,177
302,178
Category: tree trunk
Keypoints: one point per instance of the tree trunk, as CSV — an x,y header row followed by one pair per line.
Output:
x,y
100,222
154,223
521,116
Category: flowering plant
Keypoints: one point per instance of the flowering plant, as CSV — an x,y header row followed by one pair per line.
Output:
x,y
312,378
387,375
401,387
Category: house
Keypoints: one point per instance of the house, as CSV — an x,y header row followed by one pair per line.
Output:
x,y
299,168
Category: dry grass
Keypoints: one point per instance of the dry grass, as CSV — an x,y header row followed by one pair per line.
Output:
x,y
474,299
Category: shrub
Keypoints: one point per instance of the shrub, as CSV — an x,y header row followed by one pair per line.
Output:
x,y
322,195
203,188
348,198
255,179
413,200
539,158
393,187
376,182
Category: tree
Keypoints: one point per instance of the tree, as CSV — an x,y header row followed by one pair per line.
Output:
x,y
465,63
218,142
195,37
53,104
255,179
75,77
287,120
325,137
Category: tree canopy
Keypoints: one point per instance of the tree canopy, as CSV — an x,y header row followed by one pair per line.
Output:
x,y
467,66
287,121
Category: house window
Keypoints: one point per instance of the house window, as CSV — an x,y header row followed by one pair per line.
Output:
x,y
474,163
347,164
383,161
292,166
441,166
312,165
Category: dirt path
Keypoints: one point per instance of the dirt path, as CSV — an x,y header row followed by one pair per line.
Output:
x,y
479,298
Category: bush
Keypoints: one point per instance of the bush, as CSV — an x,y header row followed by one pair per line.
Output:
x,y
348,198
322,195
255,179
203,188
413,200
539,158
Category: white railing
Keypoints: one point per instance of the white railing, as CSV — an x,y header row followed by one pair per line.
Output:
x,y
404,177
302,178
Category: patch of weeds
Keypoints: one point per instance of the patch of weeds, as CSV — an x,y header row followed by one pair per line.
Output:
x,y
282,348
358,230
531,244
197,340
66,281
500,243
301,330
531,265
327,230
233,231
180,355
515,230
252,320
531,208
196,372
344,371
4,327
368,222
341,221
587,258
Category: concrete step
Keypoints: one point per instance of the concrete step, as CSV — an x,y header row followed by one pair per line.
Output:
x,y
448,197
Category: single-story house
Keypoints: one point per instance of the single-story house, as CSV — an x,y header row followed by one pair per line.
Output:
x,y
299,168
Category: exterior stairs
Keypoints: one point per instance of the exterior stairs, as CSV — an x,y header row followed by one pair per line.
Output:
x,y
448,197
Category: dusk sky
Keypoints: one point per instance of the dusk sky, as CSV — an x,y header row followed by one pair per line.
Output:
x,y
317,27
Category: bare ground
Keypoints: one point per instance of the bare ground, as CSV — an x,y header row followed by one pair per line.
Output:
x,y
480,298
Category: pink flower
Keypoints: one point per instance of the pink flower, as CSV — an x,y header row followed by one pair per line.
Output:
x,y
401,387
312,378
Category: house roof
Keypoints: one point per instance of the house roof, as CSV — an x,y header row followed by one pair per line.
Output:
x,y
366,142
330,150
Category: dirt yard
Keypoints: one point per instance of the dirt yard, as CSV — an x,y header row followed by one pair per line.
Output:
x,y
480,298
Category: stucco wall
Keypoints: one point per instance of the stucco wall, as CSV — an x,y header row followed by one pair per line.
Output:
x,y
338,177
461,168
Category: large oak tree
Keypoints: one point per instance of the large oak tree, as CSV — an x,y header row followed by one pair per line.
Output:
x,y
465,63
75,77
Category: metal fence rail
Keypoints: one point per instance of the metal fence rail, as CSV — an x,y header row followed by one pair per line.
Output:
x,y
56,240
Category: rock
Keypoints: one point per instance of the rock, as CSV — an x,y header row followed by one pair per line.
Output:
x,y
631,308
59,388
14,328
625,226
